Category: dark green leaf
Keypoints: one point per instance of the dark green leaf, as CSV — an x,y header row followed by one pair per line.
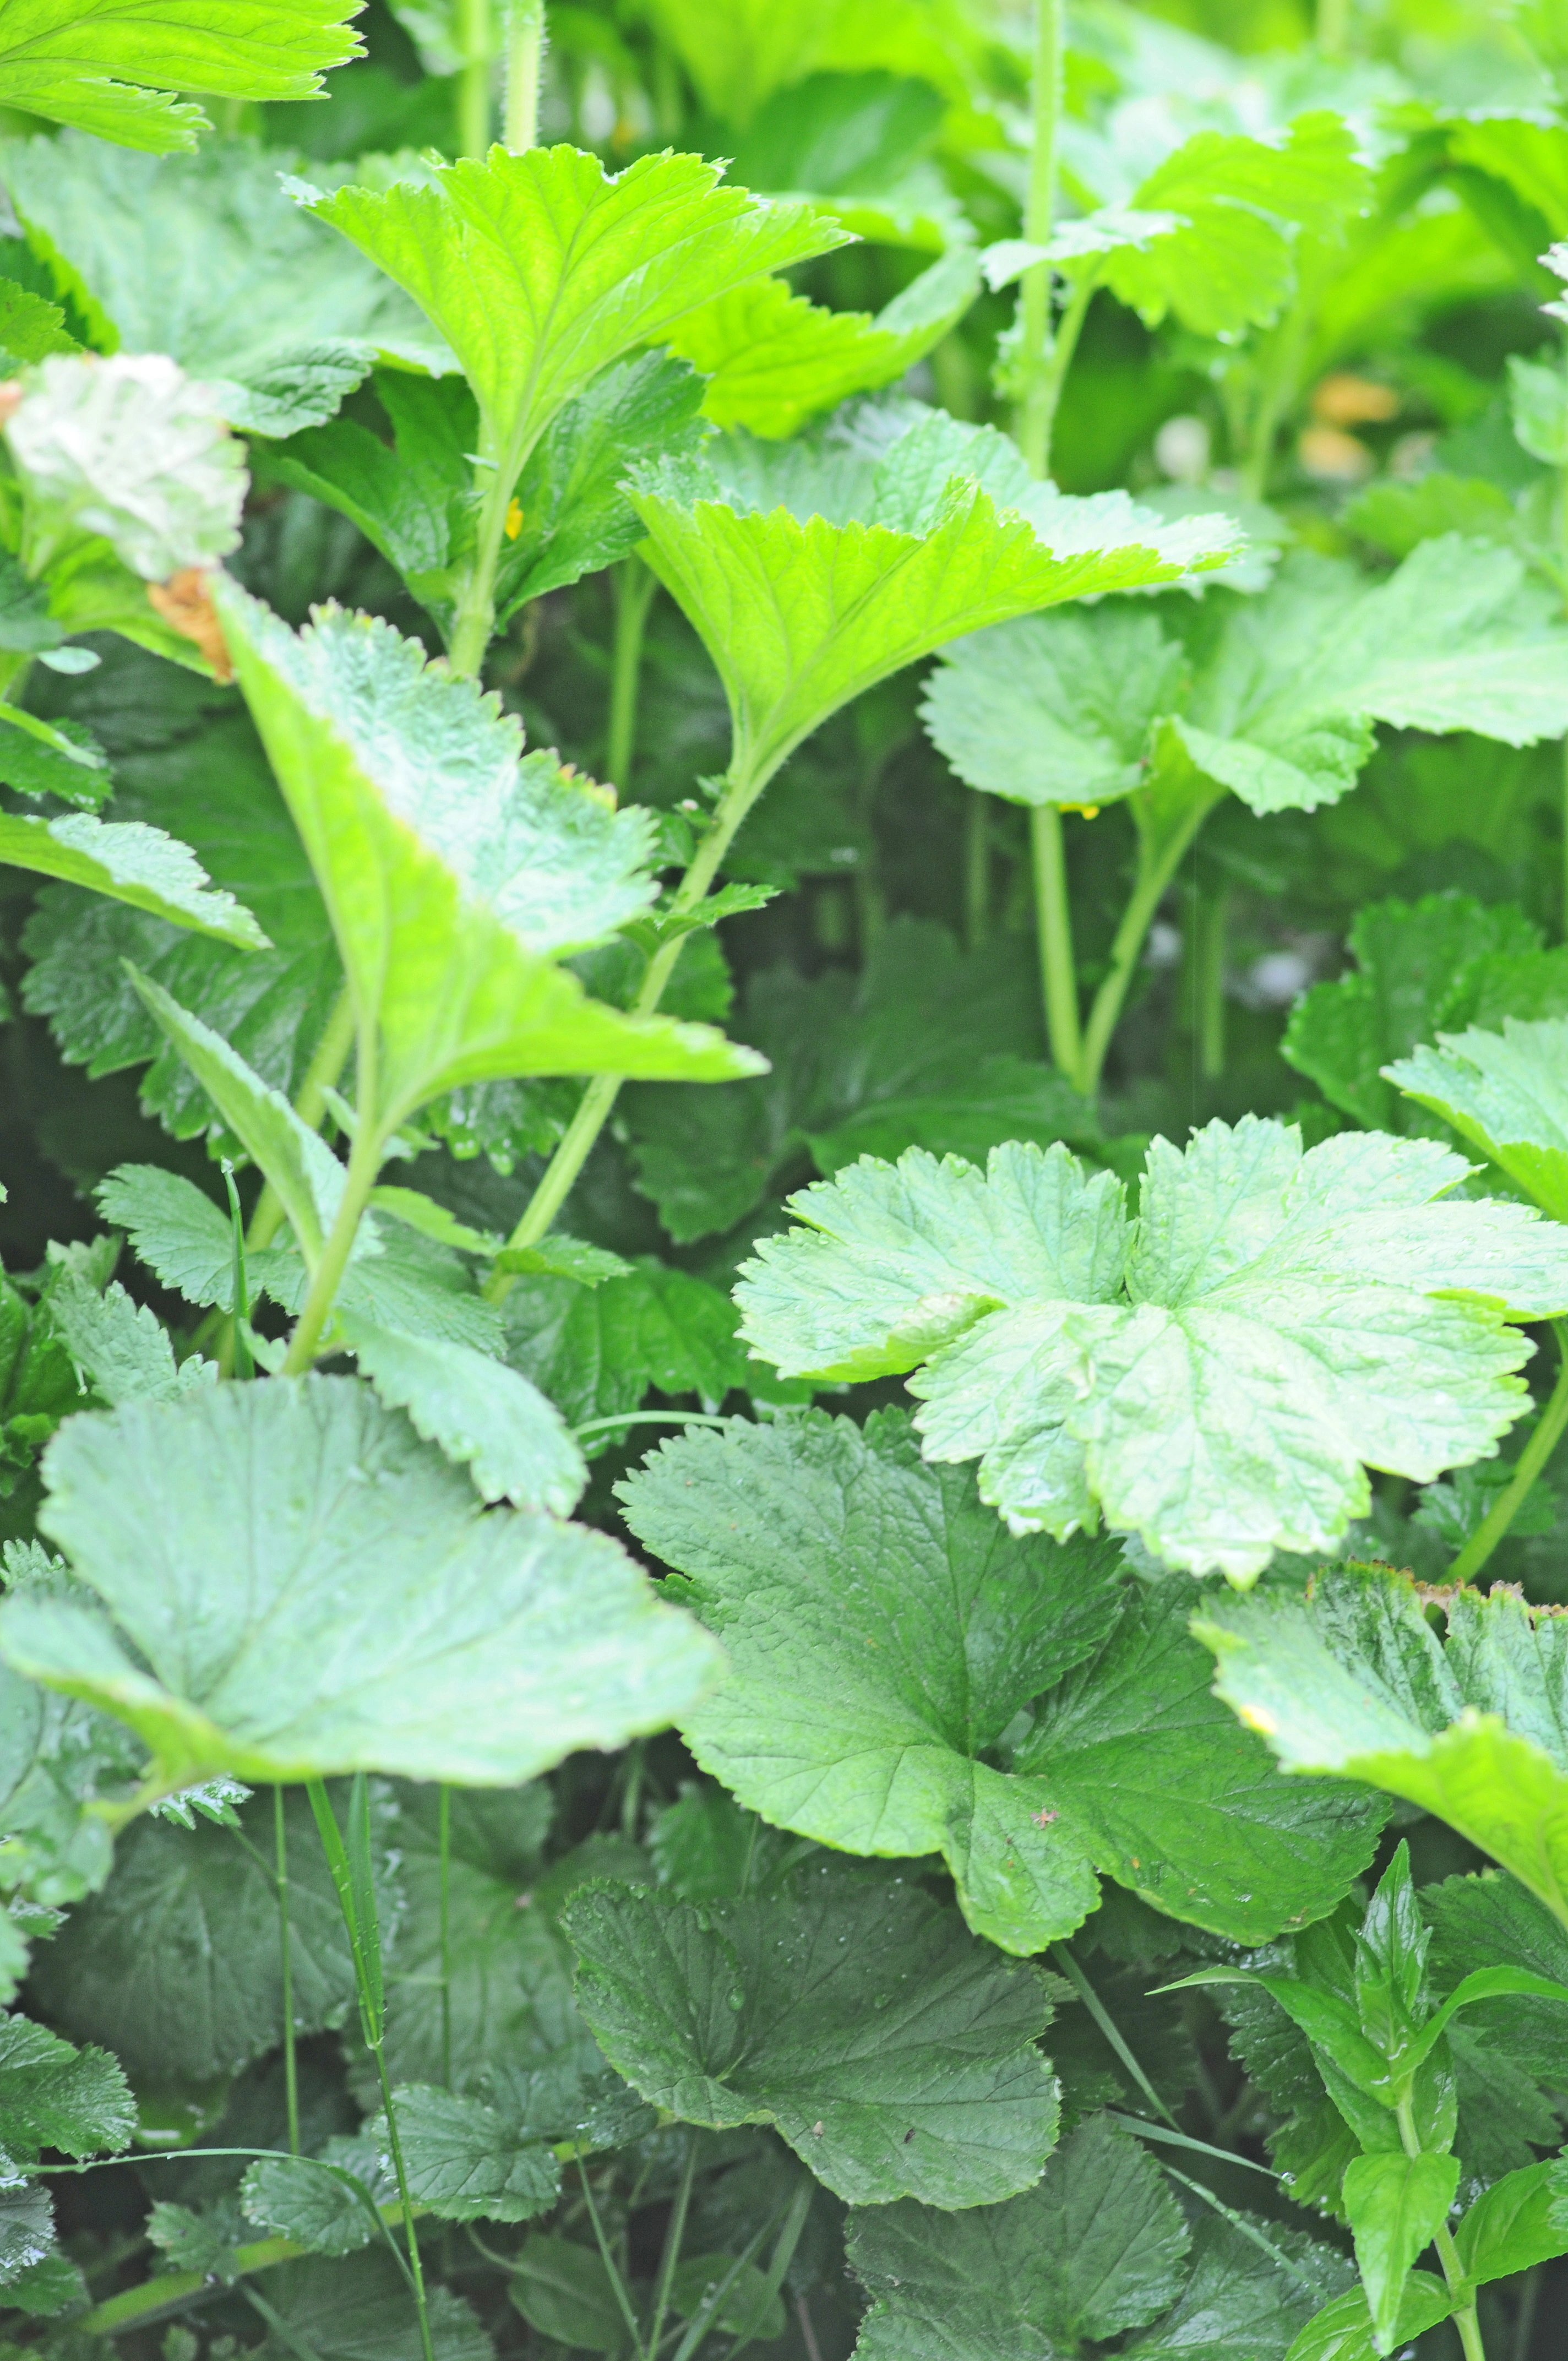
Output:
x,y
466,2163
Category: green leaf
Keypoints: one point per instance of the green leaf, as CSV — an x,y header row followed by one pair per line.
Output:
x,y
223,46
749,2309
811,578
1391,1943
541,269
848,2014
882,1632
175,1965
1396,2204
348,1682
481,1414
1506,1094
1307,1298
297,2197
436,888
132,450
30,329
132,864
37,758
118,1345
358,2308
1518,2222
1352,1680
1477,1921
773,360
1396,516
465,2162
1417,966
27,2231
203,256
855,144
559,1257
1245,2296
175,1229
1095,2247
1343,2331
565,2291
54,2096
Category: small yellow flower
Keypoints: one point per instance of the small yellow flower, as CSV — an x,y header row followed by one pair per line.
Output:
x,y
514,520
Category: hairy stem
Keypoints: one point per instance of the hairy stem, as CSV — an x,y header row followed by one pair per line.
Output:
x,y
1035,288
598,1098
475,622
1531,1460
286,1957
1156,870
323,1074
1057,359
525,55
632,585
1058,973
476,41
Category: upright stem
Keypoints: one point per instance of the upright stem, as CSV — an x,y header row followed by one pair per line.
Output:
x,y
632,585
1058,976
674,2234
475,40
1281,368
1209,919
322,1075
1033,426
475,622
525,55
1531,1460
977,869
1156,870
1465,2319
285,1947
597,1101
444,1855
364,1164
1562,557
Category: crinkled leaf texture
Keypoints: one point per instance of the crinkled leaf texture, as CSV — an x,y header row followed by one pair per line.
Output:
x,y
226,1535
54,2096
883,1632
205,259
131,449
894,2053
814,570
97,65
1350,1677
540,268
1211,1376
1506,1092
130,862
1278,697
448,867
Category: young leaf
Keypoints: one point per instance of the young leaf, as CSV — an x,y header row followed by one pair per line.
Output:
x,y
347,1681
433,849
808,583
54,2096
541,269
480,1412
1343,2331
175,1228
130,449
296,2198
129,863
205,259
1094,2248
1396,2204
118,1345
848,2014
224,46
1519,2221
465,2163
1352,1680
1505,1093
869,1728
1391,1943
1267,1292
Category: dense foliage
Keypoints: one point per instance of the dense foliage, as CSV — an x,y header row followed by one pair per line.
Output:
x,y
784,1544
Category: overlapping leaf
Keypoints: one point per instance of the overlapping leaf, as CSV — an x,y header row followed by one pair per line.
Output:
x,y
884,1633
469,1660
1285,1317
1507,1094
850,2013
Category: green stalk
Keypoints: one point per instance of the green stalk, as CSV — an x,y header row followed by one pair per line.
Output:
x,y
1109,2028
1465,2319
364,1164
173,2290
322,1075
1055,364
977,869
286,1955
475,622
671,2253
616,2280
783,2255
1531,1460
1155,870
1562,553
1281,373
1058,976
632,585
593,1111
1035,288
475,37
444,1845
1211,912
525,55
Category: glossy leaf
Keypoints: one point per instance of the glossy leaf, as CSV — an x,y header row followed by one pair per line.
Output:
x,y
1396,2204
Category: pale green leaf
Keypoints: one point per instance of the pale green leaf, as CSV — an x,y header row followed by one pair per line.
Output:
x,y
175,1228
541,269
482,1414
129,863
440,880
882,1632
1342,2329
847,2013
521,1606
855,145
205,257
1507,1094
130,449
1308,1299
91,63
1395,2203
43,758
120,1348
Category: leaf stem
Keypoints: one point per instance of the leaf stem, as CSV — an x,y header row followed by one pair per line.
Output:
x,y
599,1097
1036,287
783,2255
444,1844
1281,367
475,43
322,1075
651,1418
670,2255
632,585
616,2280
525,55
977,868
1053,915
364,1164
1108,2026
1156,870
1531,1460
1465,2319
1210,914
286,1957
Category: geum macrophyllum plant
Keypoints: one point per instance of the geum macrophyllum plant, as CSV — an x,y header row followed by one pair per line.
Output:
x,y
1072,1864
